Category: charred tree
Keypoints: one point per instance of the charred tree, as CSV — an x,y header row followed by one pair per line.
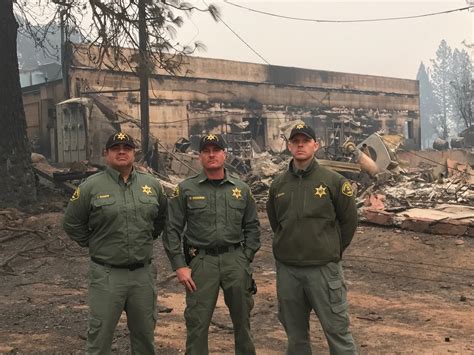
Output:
x,y
17,180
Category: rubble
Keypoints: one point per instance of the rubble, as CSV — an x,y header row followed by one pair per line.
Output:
x,y
419,201
433,197
264,165
381,149
69,177
440,144
42,168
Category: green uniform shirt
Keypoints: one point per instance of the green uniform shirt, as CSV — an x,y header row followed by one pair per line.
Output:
x,y
118,221
219,215
312,214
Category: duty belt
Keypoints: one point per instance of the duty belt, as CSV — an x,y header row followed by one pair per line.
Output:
x,y
214,251
130,267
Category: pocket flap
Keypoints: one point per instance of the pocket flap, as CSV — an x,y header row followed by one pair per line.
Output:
x,y
238,204
109,200
339,308
335,284
148,199
94,322
195,203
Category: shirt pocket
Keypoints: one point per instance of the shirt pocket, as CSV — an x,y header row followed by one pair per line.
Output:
x,y
236,211
148,206
198,213
105,206
197,204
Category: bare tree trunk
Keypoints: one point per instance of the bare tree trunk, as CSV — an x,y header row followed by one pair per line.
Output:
x,y
143,74
17,180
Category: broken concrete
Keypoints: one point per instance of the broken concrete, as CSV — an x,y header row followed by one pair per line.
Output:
x,y
444,219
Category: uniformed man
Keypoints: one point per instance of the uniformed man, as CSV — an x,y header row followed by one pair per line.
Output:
x,y
313,216
117,214
221,236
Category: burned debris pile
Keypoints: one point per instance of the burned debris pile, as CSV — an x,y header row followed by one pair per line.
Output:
x,y
435,197
429,191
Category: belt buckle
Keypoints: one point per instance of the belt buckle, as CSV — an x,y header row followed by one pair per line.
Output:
x,y
192,251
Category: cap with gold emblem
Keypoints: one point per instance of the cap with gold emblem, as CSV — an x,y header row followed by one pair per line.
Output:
x,y
303,129
120,138
215,139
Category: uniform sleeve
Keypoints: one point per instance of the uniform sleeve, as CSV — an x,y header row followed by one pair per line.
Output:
x,y
271,213
160,220
76,217
251,227
346,212
175,223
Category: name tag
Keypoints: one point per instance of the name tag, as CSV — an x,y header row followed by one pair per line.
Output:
x,y
103,196
197,198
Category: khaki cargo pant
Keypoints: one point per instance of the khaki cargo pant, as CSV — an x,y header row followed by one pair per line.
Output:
x,y
112,291
301,289
231,272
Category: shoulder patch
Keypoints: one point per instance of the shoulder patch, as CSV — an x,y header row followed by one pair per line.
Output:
x,y
75,195
346,189
175,192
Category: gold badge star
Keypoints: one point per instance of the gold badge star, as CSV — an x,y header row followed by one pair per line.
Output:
x,y
121,136
236,193
320,191
211,137
299,126
146,189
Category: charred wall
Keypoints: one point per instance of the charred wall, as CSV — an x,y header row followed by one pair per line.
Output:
x,y
184,106
219,95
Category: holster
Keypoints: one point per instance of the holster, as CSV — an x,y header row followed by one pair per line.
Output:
x,y
253,287
189,251
187,257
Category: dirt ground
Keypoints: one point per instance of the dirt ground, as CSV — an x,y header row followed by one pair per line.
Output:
x,y
408,292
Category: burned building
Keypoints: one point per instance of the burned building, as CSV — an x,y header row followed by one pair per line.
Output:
x,y
247,102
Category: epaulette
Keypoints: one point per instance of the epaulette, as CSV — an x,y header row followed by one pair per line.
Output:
x,y
93,176
90,178
192,177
